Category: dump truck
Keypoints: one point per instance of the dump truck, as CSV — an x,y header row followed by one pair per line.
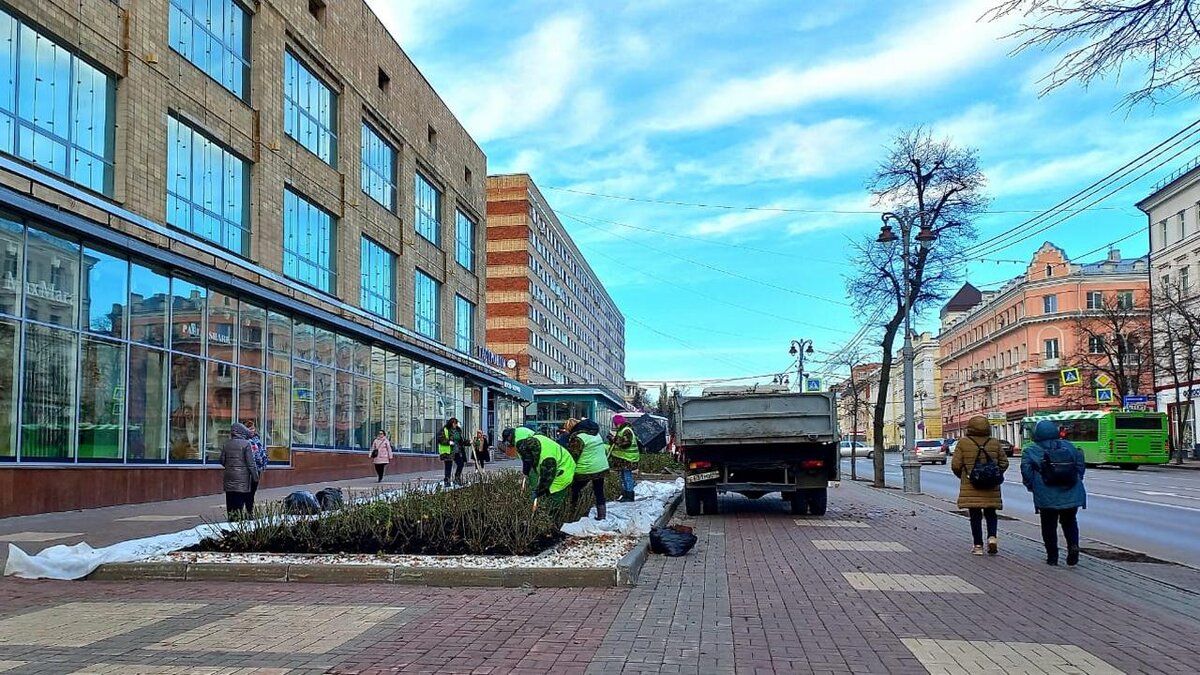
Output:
x,y
756,441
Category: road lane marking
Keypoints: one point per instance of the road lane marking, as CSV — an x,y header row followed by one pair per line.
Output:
x,y
1144,501
1168,494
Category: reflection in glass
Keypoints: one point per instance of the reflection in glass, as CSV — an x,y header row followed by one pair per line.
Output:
x,y
403,418
250,397
221,380
325,346
148,395
276,433
302,406
362,358
392,422
323,397
420,439
101,400
367,411
222,326
48,401
309,240
187,317
186,407
343,399
305,347
279,329
345,351
148,293
208,188
405,369
105,292
51,279
12,265
250,335
10,347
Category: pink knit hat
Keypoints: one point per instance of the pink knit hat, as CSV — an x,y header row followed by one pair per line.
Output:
x,y
618,420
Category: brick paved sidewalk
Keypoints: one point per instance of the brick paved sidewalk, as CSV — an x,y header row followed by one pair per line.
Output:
x,y
881,585
111,524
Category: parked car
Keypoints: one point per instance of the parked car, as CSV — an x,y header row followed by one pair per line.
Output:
x,y
1009,450
930,450
846,448
949,445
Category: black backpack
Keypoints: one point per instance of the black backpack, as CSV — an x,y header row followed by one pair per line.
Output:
x,y
1058,467
985,476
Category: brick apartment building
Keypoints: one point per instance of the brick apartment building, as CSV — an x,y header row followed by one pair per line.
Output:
x,y
220,211
1005,352
548,314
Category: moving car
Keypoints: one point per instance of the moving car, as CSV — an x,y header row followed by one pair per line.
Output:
x,y
857,448
930,450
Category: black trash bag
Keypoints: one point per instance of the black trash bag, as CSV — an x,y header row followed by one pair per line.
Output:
x,y
330,498
301,503
671,542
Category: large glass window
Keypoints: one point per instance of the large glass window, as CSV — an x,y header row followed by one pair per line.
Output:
x,y
148,396
378,168
101,400
250,398
105,293
323,399
56,110
149,294
187,316
464,324
278,427
185,408
309,110
377,269
214,35
48,401
279,337
12,265
252,328
208,188
342,409
222,326
428,216
220,398
427,303
464,240
302,405
51,279
10,342
308,242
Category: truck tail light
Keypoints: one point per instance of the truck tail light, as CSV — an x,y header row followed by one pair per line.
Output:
x,y
699,465
812,464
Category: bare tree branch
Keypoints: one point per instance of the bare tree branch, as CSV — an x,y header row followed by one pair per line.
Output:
x,y
1176,333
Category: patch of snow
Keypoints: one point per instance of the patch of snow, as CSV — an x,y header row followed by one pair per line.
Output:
x,y
632,519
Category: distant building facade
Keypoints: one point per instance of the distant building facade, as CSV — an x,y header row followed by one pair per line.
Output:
x,y
926,392
1006,354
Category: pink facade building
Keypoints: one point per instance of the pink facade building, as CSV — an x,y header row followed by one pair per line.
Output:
x,y
1005,352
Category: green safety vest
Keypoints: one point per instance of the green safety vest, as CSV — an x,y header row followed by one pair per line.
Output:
x,y
631,454
566,465
593,459
444,447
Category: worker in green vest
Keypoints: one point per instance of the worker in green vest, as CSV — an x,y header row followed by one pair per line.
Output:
x,y
552,465
452,450
625,454
590,453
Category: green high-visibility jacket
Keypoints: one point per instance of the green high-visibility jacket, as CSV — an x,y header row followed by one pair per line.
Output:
x,y
593,458
444,446
630,454
554,465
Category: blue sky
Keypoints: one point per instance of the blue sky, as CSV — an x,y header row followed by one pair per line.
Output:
x,y
776,104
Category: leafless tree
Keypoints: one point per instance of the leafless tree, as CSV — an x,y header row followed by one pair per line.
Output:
x,y
1113,339
1176,331
854,404
1103,37
941,185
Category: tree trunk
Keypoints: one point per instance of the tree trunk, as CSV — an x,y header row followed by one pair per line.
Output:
x,y
1185,410
885,375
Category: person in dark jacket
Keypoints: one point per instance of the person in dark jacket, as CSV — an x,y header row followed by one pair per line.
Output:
x,y
237,456
980,503
1056,504
452,448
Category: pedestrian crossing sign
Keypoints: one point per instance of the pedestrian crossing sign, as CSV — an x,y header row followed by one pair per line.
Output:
x,y
1070,376
1104,396
812,384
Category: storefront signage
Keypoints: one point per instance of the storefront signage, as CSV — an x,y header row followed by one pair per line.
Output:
x,y
492,358
40,289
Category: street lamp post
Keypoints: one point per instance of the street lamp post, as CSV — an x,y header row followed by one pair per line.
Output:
x,y
909,465
798,349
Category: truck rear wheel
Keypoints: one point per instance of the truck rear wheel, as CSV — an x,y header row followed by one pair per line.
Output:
x,y
818,500
700,501
799,503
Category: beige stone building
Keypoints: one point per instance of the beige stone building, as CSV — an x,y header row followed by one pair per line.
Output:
x,y
221,211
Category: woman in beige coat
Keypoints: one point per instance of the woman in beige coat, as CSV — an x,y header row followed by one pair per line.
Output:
x,y
981,503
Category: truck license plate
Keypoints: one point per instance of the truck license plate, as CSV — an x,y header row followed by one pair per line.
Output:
x,y
707,475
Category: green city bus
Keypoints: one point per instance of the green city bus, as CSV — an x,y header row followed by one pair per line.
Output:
x,y
1127,439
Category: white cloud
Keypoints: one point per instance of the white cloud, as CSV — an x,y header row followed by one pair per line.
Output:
x,y
918,57
413,22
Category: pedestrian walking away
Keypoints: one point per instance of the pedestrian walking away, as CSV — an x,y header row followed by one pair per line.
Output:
x,y
452,450
1052,469
240,472
624,455
481,450
587,448
260,455
381,453
980,463
553,467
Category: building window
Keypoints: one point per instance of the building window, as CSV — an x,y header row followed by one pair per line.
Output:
x,y
427,304
1182,225
1049,304
1095,300
1125,300
57,110
429,209
1051,349
1162,232
1095,344
215,37
464,324
1049,271
309,110
378,273
464,238
308,242
1053,388
378,168
1184,278
208,188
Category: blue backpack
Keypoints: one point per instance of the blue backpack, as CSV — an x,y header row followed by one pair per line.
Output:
x,y
259,452
1058,466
